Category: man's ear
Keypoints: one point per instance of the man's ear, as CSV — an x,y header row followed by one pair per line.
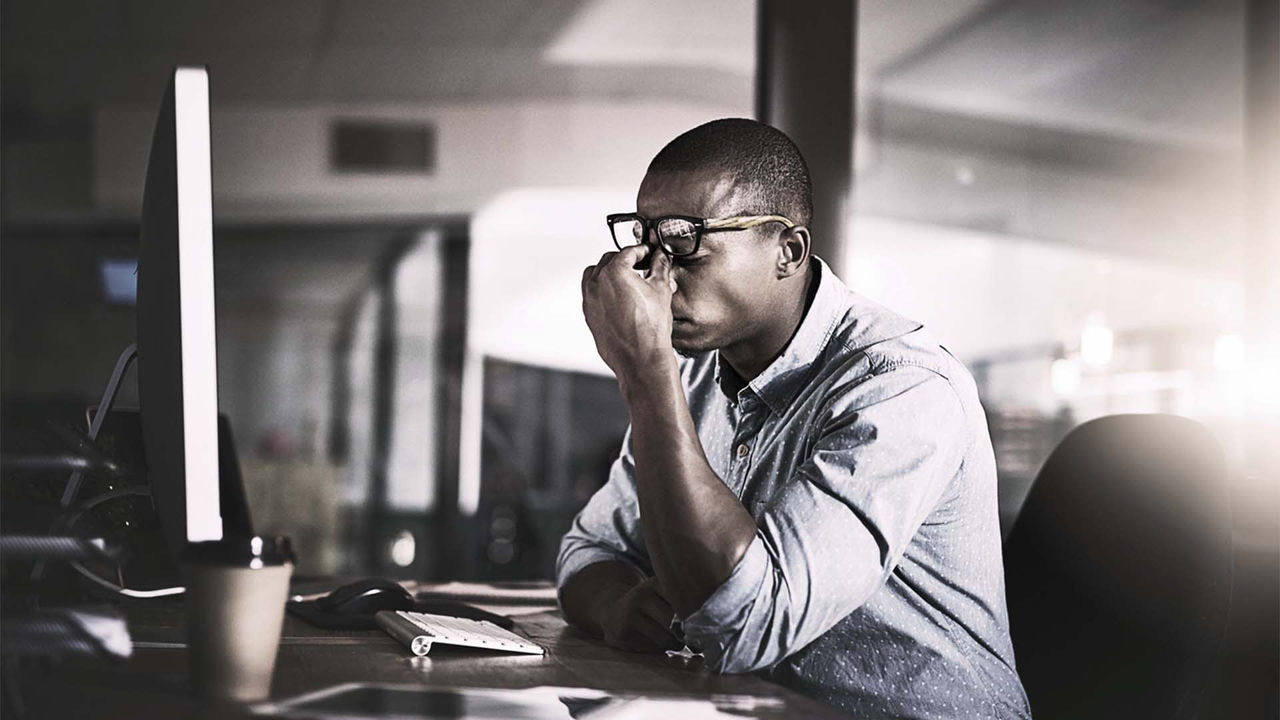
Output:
x,y
793,251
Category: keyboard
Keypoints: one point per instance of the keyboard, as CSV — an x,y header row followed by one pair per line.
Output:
x,y
420,631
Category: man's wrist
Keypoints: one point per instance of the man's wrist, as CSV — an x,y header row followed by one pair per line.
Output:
x,y
648,375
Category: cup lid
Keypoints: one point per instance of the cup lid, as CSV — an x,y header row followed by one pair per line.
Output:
x,y
255,551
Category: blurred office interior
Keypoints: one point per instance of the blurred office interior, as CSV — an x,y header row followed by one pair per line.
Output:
x,y
405,194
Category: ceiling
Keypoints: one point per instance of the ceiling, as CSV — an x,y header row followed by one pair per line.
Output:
x,y
1170,70
61,56
1112,88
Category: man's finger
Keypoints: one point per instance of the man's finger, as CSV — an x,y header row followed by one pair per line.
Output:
x,y
654,606
660,272
632,254
658,634
593,271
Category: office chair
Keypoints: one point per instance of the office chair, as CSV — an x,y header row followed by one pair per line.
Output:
x,y
1118,571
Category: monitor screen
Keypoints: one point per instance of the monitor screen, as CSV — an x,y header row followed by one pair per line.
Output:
x,y
177,354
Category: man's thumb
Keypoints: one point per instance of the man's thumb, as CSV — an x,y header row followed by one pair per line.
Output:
x,y
660,270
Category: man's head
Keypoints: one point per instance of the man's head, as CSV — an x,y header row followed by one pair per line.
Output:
x,y
760,159
737,292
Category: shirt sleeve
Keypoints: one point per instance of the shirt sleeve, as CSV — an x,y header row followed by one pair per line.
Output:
x,y
829,538
608,527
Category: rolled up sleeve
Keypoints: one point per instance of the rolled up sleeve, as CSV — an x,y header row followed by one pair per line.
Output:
x,y
831,535
608,527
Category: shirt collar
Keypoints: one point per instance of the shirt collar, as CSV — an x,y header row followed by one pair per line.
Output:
x,y
833,302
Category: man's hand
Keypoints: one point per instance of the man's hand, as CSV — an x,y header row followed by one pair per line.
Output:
x,y
640,620
629,313
616,602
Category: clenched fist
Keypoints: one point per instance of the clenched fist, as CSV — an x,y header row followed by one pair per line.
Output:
x,y
640,620
629,313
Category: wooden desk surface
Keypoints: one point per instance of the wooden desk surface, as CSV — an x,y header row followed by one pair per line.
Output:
x,y
154,683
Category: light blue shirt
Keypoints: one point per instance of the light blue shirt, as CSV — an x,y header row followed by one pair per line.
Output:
x,y
875,580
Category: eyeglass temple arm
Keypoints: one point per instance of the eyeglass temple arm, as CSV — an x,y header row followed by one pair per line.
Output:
x,y
746,221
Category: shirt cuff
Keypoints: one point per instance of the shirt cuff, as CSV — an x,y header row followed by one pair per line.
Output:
x,y
719,625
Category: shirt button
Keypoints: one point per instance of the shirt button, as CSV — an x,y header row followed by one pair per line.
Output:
x,y
743,450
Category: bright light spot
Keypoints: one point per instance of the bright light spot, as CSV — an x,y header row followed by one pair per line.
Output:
x,y
1096,344
255,545
403,549
1064,376
1262,381
965,176
1228,353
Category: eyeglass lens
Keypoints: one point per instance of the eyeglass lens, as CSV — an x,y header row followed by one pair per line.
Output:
x,y
678,237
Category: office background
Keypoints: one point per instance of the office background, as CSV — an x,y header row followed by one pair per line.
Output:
x,y
405,194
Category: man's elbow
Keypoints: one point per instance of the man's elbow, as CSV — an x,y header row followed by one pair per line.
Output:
x,y
734,645
741,627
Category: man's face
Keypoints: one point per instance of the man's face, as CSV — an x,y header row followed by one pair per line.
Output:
x,y
726,289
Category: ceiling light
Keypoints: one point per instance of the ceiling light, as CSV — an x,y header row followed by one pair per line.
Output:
x,y
1096,343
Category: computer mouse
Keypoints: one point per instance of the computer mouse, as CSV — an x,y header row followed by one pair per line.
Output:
x,y
365,597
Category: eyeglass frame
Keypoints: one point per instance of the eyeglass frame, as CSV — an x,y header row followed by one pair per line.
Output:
x,y
701,227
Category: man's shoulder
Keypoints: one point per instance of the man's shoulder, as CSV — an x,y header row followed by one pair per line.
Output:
x,y
887,340
865,339
874,341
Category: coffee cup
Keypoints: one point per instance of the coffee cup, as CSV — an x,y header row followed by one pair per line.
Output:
x,y
235,600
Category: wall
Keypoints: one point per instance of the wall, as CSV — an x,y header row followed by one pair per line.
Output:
x,y
271,162
987,293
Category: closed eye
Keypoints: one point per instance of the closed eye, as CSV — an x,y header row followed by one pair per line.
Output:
x,y
689,260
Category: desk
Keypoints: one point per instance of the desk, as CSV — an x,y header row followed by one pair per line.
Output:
x,y
154,683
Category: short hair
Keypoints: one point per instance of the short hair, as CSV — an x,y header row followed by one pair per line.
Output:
x,y
758,156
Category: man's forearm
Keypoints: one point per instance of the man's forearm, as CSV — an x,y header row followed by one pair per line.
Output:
x,y
695,528
594,586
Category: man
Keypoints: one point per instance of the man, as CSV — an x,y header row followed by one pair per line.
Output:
x,y
811,488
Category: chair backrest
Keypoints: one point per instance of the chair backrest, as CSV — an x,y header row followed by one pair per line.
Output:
x,y
1118,570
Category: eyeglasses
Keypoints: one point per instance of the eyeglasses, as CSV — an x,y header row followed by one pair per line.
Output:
x,y
679,235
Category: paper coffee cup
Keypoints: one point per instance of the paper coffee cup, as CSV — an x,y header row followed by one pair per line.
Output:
x,y
235,599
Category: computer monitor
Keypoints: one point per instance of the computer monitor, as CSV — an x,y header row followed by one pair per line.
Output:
x,y
177,351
